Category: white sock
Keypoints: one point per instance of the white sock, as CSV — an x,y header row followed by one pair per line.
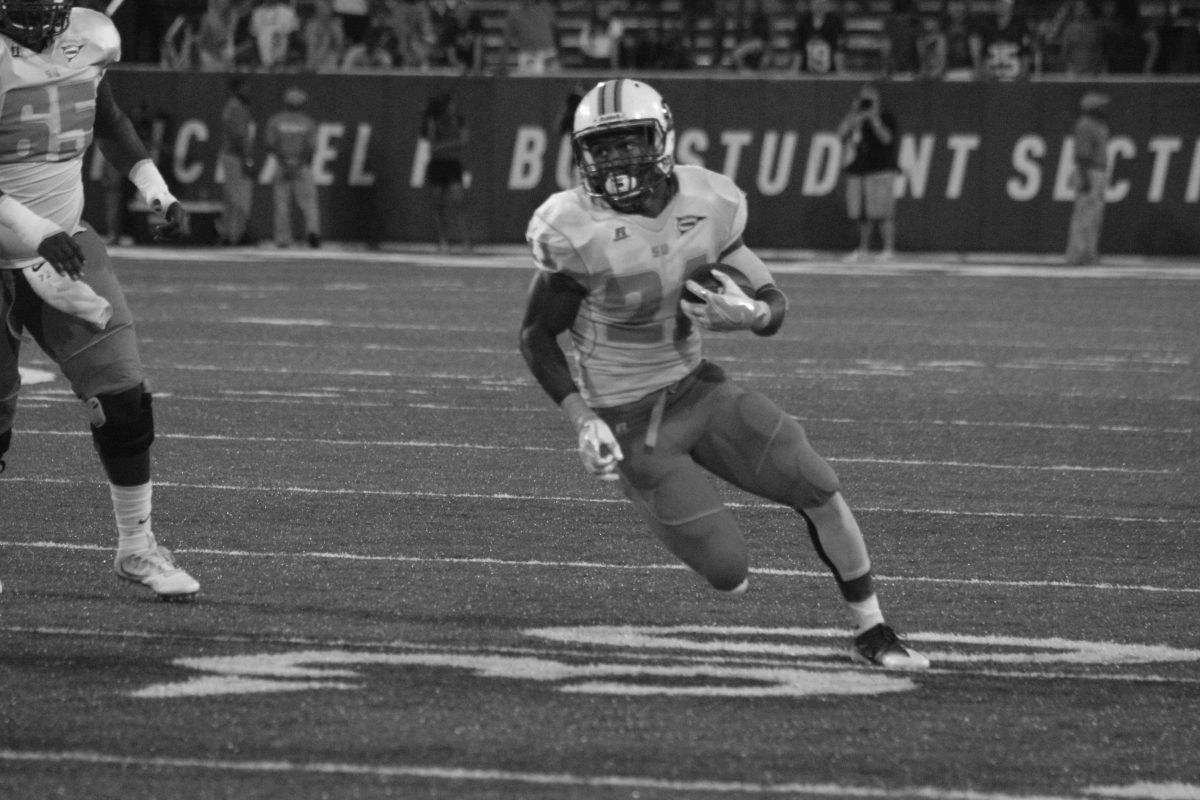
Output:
x,y
866,614
131,507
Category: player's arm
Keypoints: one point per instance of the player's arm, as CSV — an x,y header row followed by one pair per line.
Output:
x,y
733,309
550,308
121,145
42,236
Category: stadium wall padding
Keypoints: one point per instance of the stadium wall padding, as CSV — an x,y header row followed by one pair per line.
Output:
x,y
986,166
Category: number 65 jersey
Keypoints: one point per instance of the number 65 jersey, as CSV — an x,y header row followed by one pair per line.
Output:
x,y
629,338
47,116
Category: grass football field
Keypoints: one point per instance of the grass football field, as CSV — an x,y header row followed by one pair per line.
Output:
x,y
411,589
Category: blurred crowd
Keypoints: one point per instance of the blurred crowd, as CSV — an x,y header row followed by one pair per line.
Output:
x,y
930,39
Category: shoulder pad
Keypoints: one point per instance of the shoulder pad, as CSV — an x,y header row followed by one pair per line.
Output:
x,y
94,32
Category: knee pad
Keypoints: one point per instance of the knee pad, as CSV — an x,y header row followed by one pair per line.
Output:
x,y
122,423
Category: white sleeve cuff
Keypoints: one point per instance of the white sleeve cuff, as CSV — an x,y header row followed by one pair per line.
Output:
x,y
32,229
151,185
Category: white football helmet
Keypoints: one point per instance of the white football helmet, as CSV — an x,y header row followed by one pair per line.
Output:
x,y
620,106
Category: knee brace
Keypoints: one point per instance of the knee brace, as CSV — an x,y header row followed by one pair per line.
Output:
x,y
123,423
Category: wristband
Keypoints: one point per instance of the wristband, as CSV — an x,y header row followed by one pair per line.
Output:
x,y
576,409
32,229
152,186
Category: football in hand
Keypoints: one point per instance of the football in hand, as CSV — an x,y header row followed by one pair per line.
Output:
x,y
703,275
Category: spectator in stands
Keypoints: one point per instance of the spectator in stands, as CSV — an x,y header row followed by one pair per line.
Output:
x,y
1179,41
237,163
870,144
1079,34
291,137
324,39
1002,45
531,31
356,18
467,50
272,24
931,49
902,31
957,27
753,49
178,49
820,40
1090,139
601,35
447,133
412,32
1130,45
369,53
214,37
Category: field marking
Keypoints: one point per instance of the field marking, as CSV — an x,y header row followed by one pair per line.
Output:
x,y
602,565
907,462
1141,791
507,496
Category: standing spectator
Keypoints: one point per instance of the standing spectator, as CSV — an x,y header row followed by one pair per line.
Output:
x,y
1002,46
291,137
870,144
272,24
178,49
409,31
447,133
467,48
1130,45
901,36
237,162
368,54
1090,140
956,25
324,39
820,41
1179,41
356,18
1081,41
531,31
214,38
601,35
932,49
753,50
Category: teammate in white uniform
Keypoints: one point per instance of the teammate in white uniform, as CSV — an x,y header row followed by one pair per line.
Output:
x,y
613,256
56,280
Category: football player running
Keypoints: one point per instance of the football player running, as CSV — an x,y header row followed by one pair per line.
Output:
x,y
613,256
56,280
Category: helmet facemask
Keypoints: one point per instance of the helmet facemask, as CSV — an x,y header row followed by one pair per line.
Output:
x,y
34,23
625,181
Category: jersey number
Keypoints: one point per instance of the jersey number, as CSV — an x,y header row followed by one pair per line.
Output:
x,y
644,292
47,123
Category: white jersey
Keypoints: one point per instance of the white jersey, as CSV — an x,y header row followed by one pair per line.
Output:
x,y
629,338
47,117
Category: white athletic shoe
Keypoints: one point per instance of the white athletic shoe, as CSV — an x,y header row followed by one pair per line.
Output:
x,y
881,647
156,569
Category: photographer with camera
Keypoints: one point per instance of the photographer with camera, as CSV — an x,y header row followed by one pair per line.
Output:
x,y
870,144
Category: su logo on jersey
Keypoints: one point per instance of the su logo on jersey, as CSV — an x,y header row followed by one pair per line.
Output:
x,y
686,223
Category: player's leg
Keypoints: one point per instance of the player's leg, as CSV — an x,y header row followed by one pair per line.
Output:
x,y
306,198
753,444
680,506
673,495
105,371
281,196
10,375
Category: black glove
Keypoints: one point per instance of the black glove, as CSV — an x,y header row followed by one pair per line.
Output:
x,y
174,225
63,253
